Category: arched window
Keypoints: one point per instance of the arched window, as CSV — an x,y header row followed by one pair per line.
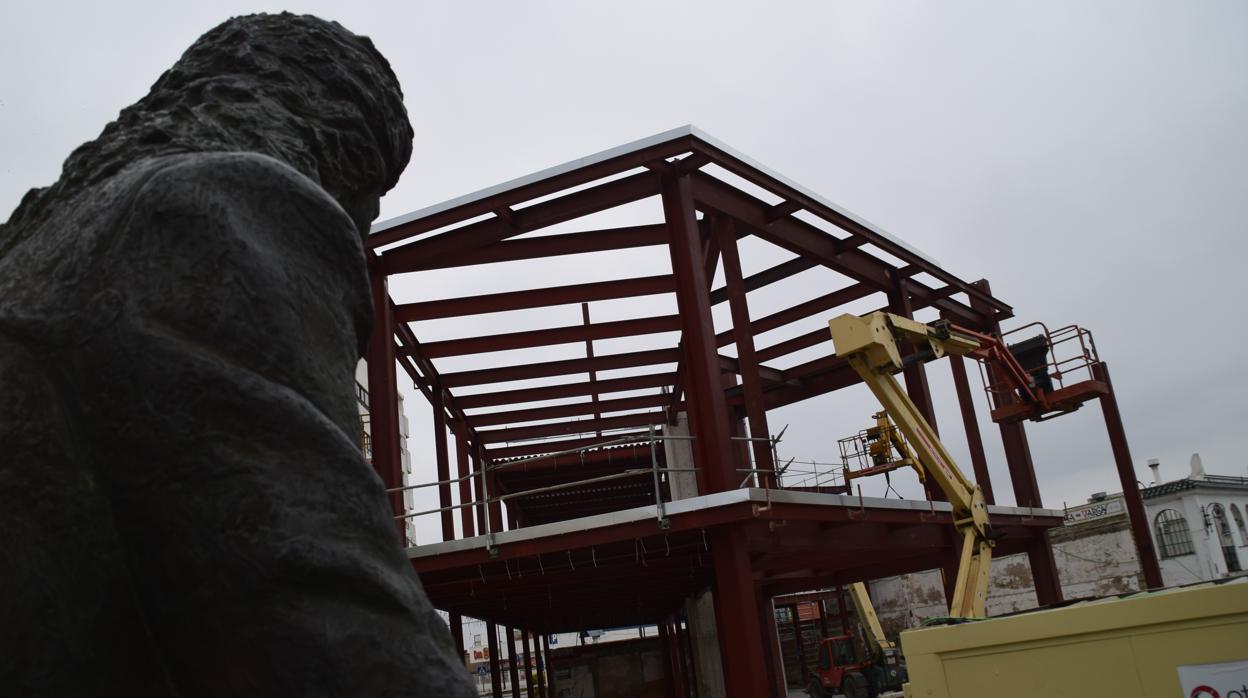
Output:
x,y
1239,523
1173,537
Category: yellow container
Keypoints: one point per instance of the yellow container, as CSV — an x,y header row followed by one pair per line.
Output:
x,y
1120,646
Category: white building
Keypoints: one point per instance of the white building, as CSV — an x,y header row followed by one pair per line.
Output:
x,y
1198,524
366,444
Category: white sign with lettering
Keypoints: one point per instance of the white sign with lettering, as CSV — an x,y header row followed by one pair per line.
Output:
x,y
1094,510
1224,680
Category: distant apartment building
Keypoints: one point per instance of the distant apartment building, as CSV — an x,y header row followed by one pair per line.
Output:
x,y
366,445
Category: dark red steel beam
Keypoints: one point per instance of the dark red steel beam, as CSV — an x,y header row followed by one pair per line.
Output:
x,y
728,364
465,483
794,197
534,414
810,242
383,396
579,427
970,424
559,368
535,298
443,469
812,383
555,392
741,637
533,190
413,351
1126,477
708,408
400,260
513,666
915,374
557,335
473,236
767,276
652,583
801,311
748,359
500,453
1023,479
798,343
496,671
589,354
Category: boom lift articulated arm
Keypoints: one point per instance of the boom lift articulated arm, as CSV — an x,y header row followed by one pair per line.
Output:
x,y
870,345
876,640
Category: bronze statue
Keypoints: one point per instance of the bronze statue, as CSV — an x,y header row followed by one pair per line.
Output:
x,y
184,510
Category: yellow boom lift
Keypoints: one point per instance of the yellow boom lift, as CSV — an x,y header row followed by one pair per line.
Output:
x,y
871,345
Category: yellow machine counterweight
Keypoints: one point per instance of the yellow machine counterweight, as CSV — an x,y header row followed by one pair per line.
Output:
x,y
870,345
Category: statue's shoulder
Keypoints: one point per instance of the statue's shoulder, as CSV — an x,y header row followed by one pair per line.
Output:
x,y
201,180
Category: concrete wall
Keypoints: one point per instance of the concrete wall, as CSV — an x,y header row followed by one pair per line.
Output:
x,y
678,454
1095,558
704,637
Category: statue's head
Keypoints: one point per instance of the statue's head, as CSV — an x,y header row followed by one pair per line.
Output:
x,y
298,88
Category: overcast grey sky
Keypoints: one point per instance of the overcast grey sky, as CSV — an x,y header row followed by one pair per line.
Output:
x,y
1089,158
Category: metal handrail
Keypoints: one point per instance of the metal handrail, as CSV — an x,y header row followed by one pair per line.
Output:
x,y
651,437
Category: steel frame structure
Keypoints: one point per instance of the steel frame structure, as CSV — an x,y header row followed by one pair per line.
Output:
x,y
711,197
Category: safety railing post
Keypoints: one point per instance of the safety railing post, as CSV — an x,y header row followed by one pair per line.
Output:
x,y
659,510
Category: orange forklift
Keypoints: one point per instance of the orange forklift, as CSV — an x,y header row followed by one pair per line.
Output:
x,y
861,669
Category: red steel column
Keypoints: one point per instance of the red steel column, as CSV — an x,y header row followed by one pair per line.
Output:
x,y
682,671
513,665
840,608
496,672
457,634
916,375
495,507
1023,479
589,354
529,683
383,391
478,491
543,669
669,665
691,667
465,482
801,648
823,618
974,440
755,411
444,465
774,659
737,616
1126,477
711,444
